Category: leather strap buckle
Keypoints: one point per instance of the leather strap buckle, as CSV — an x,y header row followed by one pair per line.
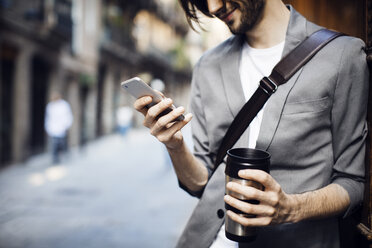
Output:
x,y
267,85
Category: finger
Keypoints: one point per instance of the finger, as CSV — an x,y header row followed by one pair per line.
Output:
x,y
256,221
248,208
176,127
251,193
248,192
166,121
260,176
141,103
155,110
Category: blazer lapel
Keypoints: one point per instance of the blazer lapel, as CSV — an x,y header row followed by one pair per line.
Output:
x,y
296,33
232,83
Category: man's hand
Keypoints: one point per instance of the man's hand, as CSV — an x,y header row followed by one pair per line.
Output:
x,y
275,205
165,128
190,171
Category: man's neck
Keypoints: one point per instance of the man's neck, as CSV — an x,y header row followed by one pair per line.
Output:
x,y
271,28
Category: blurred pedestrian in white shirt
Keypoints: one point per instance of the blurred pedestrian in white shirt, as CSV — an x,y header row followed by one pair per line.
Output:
x,y
124,117
58,119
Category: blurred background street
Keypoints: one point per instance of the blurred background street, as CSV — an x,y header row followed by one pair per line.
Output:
x,y
115,192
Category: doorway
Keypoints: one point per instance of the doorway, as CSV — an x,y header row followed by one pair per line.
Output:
x,y
7,67
39,88
100,84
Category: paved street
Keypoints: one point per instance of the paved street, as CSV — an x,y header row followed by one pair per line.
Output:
x,y
114,193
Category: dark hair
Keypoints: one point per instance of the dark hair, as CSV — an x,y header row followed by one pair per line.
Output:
x,y
191,8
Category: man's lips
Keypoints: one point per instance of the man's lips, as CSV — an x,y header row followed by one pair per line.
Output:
x,y
227,17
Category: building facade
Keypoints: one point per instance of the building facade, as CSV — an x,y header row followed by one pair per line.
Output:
x,y
83,49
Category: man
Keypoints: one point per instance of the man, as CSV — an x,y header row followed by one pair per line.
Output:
x,y
58,119
124,117
313,126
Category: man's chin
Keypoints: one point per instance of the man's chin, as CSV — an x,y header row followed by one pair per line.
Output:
x,y
234,27
235,30
240,28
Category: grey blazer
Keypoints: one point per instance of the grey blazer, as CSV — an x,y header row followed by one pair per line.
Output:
x,y
313,126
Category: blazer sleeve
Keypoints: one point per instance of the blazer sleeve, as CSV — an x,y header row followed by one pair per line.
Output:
x,y
349,127
199,129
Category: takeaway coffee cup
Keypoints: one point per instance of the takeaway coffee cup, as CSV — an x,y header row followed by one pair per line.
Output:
x,y
239,159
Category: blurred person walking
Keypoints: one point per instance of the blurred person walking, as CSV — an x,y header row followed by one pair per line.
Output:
x,y
58,119
124,117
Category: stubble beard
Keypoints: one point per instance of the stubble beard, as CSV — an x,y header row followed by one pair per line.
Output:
x,y
251,11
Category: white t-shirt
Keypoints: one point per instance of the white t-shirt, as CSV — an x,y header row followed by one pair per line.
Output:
x,y
254,65
58,118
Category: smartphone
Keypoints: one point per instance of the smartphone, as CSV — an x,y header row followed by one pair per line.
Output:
x,y
137,88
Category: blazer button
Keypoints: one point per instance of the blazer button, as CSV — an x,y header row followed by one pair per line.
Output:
x,y
220,213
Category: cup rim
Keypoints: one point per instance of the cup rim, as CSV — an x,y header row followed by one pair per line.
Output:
x,y
263,155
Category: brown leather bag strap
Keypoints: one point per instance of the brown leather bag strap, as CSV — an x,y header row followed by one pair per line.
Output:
x,y
281,73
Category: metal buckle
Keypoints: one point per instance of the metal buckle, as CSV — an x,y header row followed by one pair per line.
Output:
x,y
267,85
